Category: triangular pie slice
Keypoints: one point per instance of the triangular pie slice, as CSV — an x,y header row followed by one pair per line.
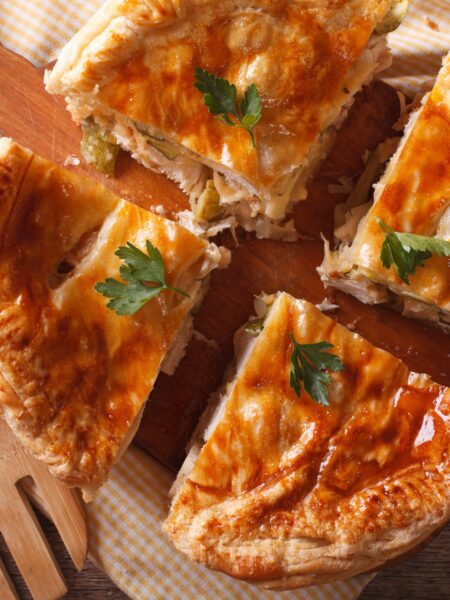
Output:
x,y
74,375
128,76
413,196
282,491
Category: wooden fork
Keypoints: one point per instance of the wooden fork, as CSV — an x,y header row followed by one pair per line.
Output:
x,y
20,527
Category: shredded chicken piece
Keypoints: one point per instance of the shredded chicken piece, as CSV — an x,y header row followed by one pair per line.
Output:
x,y
327,306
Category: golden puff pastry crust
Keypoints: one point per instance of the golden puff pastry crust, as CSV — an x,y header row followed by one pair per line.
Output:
x,y
137,58
286,492
413,196
74,375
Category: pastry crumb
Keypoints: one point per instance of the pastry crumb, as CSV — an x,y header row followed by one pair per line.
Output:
x,y
158,209
197,335
326,305
345,185
352,325
72,160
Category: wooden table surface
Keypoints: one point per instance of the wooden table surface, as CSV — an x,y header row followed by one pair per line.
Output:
x,y
40,122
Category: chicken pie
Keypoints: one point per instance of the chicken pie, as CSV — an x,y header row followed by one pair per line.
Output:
x,y
74,374
129,78
283,491
378,261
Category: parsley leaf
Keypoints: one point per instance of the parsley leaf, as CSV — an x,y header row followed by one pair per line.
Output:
x,y
308,364
219,94
138,270
251,110
407,251
220,97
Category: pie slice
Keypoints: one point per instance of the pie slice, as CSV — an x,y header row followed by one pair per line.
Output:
x,y
129,75
74,375
285,492
413,196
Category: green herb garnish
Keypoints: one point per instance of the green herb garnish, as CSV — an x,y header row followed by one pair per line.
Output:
x,y
138,270
220,97
407,251
309,363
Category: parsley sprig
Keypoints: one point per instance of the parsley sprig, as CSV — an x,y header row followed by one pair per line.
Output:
x,y
138,271
407,251
309,365
220,97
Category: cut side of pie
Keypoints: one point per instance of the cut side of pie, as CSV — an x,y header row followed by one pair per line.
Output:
x,y
74,375
412,197
282,491
129,79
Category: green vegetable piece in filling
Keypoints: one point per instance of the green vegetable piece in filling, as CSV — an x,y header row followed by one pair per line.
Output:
x,y
394,17
99,148
166,148
207,207
254,327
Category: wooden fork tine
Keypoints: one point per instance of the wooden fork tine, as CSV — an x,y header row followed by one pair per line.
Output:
x,y
20,527
7,591
28,546
63,507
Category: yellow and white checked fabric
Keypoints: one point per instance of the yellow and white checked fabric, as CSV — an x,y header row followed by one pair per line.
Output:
x,y
125,520
126,541
418,46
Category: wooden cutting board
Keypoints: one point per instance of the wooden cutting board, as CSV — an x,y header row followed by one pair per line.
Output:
x,y
40,122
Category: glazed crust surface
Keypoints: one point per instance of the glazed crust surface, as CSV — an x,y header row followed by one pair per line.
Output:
x,y
73,374
138,57
289,493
